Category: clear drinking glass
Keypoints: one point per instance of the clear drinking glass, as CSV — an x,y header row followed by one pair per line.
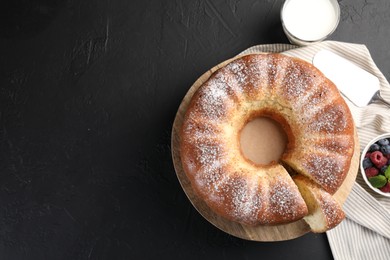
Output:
x,y
309,21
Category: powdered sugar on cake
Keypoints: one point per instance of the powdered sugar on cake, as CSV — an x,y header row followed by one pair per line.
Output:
x,y
226,181
245,199
329,208
283,202
328,171
331,119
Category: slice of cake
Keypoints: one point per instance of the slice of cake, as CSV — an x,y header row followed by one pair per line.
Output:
x,y
324,211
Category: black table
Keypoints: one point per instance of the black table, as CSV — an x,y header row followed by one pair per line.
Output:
x,y
88,95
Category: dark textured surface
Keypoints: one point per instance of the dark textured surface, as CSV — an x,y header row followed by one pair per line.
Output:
x,y
88,94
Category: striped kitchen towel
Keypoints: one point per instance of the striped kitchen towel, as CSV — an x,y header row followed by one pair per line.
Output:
x,y
365,233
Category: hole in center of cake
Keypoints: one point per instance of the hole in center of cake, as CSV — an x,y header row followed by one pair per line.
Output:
x,y
263,140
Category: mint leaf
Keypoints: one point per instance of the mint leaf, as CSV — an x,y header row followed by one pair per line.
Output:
x,y
387,173
378,181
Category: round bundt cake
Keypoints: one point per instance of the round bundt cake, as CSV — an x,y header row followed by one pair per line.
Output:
x,y
314,116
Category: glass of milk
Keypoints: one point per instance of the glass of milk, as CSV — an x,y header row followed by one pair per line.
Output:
x,y
309,21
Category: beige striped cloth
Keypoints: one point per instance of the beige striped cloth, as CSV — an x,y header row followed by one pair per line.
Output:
x,y
365,233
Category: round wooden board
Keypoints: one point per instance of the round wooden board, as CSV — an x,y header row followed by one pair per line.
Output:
x,y
257,233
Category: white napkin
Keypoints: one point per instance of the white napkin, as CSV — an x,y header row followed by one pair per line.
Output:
x,y
365,233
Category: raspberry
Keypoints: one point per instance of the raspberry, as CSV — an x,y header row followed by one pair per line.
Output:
x,y
378,159
386,188
371,172
367,155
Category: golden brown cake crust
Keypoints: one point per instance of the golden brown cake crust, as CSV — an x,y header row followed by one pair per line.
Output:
x,y
315,117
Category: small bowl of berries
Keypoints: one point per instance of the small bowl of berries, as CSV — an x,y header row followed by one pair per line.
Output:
x,y
374,164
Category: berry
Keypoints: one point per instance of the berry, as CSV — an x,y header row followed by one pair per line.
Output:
x,y
367,163
383,142
378,159
374,147
367,155
385,149
371,172
383,169
386,188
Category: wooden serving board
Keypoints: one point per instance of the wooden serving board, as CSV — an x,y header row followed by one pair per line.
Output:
x,y
257,233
